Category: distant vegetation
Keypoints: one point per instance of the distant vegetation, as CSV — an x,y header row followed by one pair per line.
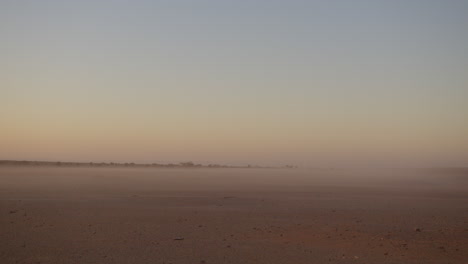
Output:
x,y
187,164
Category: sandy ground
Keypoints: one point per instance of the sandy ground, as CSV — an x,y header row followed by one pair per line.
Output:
x,y
117,215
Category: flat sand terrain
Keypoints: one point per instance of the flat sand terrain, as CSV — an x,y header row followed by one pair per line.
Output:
x,y
138,215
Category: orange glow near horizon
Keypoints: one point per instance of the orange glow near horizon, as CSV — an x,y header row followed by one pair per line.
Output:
x,y
231,85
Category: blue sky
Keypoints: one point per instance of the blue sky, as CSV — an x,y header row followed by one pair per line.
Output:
x,y
321,82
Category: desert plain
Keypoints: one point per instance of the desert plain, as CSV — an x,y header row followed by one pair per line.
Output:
x,y
201,215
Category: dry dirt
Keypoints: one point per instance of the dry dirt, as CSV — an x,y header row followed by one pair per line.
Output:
x,y
121,215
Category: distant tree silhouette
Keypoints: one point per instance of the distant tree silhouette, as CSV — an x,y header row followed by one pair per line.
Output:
x,y
187,164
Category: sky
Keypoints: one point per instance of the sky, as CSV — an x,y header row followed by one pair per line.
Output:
x,y
268,82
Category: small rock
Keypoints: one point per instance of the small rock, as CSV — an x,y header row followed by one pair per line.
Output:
x,y
417,229
179,238
13,211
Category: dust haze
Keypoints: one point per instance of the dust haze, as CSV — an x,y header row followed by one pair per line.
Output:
x,y
127,129
244,215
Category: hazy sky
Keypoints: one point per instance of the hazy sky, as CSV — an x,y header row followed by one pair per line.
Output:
x,y
313,83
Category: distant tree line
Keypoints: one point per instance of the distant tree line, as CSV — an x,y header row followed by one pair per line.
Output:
x,y
187,164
